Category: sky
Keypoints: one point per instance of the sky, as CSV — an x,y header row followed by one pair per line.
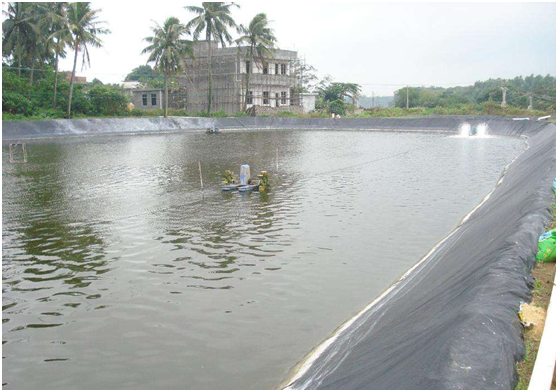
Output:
x,y
381,46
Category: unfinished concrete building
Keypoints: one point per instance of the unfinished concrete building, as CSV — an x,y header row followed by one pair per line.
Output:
x,y
272,86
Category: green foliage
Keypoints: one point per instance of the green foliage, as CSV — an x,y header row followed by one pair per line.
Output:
x,y
107,100
143,71
260,41
487,108
332,96
20,99
337,107
286,113
16,103
483,92
215,19
168,50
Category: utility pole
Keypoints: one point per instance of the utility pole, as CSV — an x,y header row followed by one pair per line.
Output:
x,y
530,107
373,106
407,97
504,89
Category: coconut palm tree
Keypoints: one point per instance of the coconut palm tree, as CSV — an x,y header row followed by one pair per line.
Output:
x,y
215,18
52,23
81,30
167,50
18,31
260,40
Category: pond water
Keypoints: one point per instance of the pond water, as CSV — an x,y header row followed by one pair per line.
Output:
x,y
120,272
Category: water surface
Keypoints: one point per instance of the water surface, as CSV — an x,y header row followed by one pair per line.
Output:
x,y
120,272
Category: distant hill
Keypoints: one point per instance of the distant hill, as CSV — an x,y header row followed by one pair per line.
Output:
x,y
368,102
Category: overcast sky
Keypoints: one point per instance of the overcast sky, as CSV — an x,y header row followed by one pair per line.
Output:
x,y
378,45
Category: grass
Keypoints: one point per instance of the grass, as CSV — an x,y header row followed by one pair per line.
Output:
x,y
474,110
544,283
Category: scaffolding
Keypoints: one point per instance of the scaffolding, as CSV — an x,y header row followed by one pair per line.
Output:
x,y
275,84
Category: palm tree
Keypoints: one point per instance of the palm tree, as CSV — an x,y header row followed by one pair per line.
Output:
x,y
81,30
167,50
215,19
17,30
52,24
260,41
37,45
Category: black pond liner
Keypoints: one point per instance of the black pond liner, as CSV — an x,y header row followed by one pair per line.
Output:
x,y
451,322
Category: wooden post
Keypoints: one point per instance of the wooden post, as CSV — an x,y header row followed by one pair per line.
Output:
x,y
277,159
407,97
201,179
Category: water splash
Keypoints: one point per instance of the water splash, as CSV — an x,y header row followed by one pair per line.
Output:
x,y
479,131
482,130
465,130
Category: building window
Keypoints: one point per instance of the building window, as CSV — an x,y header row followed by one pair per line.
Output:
x,y
283,69
144,99
247,67
153,99
265,69
250,99
283,97
266,97
276,69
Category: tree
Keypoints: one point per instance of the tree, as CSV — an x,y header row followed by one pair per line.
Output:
x,y
143,71
107,100
260,41
167,50
215,18
18,31
334,95
54,20
81,30
306,76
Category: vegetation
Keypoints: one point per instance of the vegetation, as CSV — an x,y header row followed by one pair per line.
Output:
x,y
334,97
23,101
543,89
544,284
38,33
215,18
167,50
260,40
81,30
306,76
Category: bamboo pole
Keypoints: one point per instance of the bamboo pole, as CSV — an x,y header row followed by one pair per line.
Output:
x,y
201,178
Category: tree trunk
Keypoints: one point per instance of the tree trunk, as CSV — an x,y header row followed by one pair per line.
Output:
x,y
55,78
249,70
210,81
18,53
32,71
19,62
69,112
166,95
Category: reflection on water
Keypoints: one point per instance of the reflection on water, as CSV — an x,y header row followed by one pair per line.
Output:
x,y
119,271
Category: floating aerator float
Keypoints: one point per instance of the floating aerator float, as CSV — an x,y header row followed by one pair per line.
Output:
x,y
213,130
246,183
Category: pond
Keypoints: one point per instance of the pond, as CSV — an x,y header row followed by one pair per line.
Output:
x,y
119,271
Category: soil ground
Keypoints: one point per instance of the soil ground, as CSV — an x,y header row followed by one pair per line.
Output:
x,y
535,312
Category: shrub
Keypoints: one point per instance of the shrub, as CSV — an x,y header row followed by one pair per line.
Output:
x,y
337,107
107,101
16,103
286,113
